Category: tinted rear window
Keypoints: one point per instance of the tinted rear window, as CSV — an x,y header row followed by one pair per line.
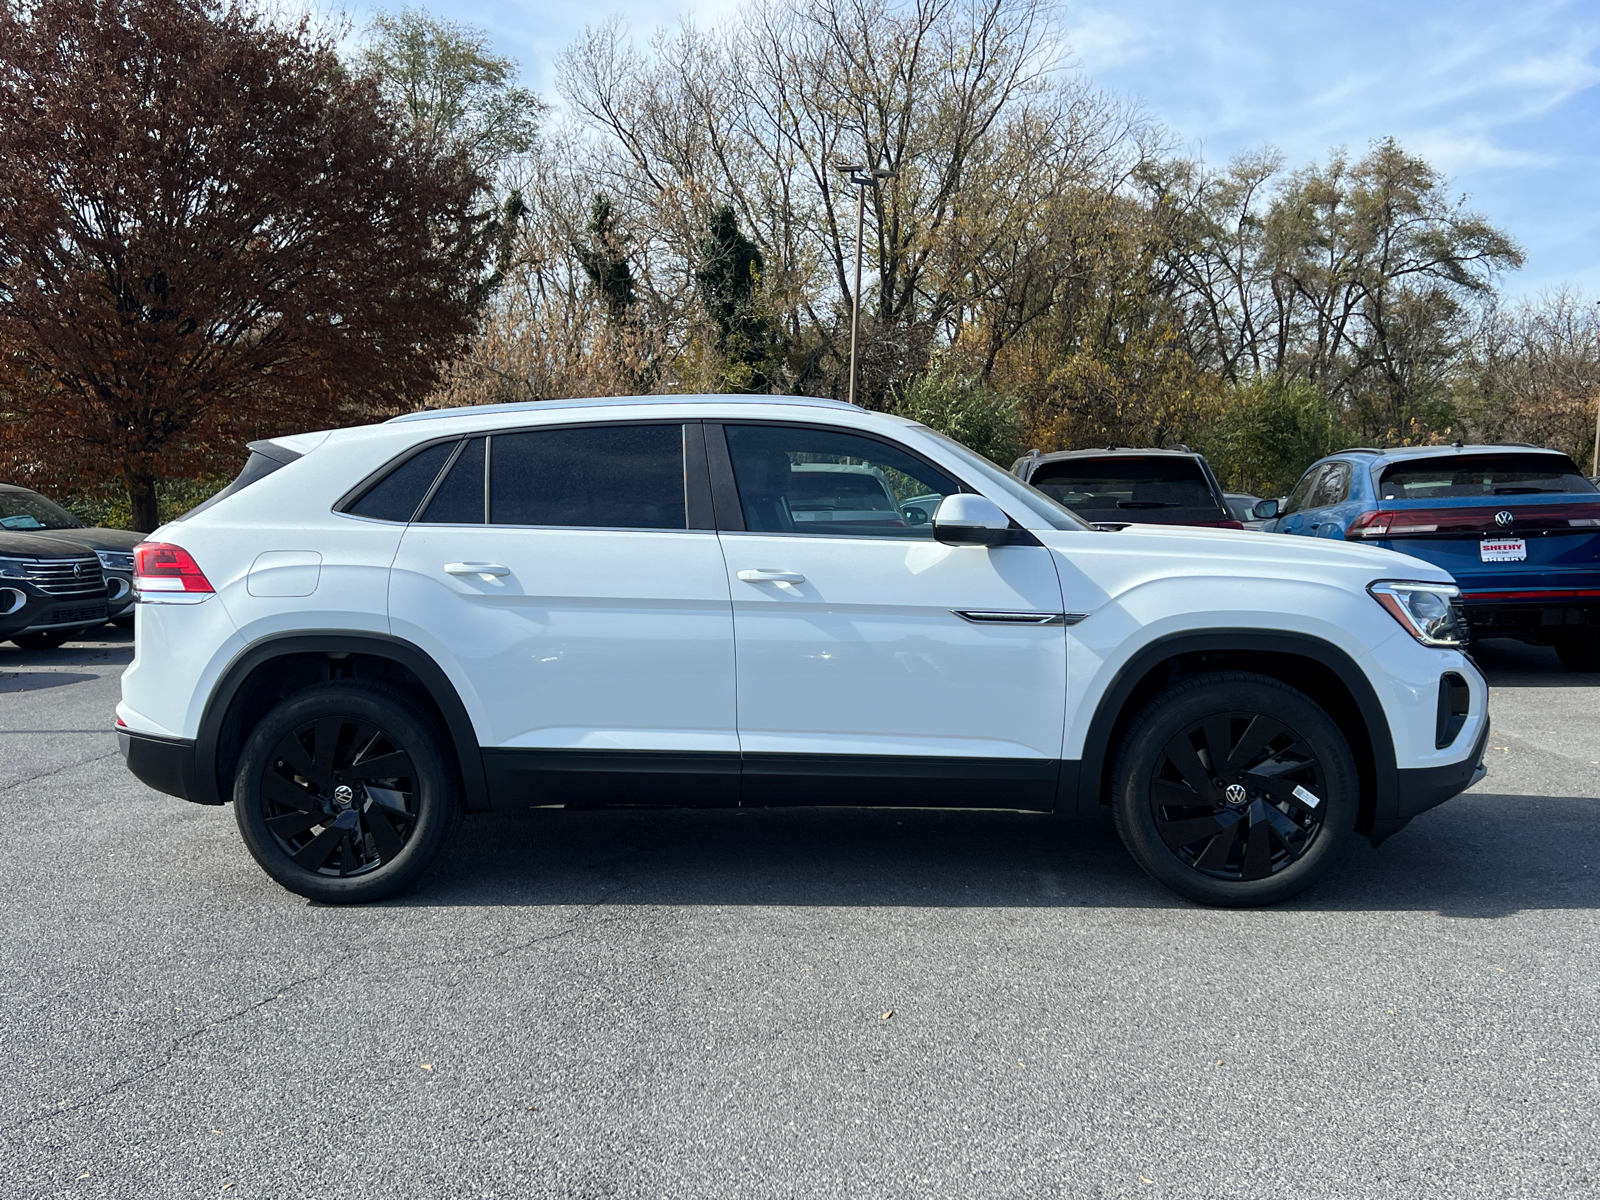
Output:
x,y
1130,489
1482,475
601,476
459,500
265,458
396,496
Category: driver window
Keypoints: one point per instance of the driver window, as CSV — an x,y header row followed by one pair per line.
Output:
x,y
827,482
1302,490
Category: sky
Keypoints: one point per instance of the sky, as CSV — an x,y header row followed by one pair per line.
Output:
x,y
1504,98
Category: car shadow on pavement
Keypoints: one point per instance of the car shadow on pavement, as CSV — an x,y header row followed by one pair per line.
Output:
x,y
1506,663
106,646
1482,856
33,681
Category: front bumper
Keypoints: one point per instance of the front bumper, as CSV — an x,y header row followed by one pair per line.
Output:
x,y
41,611
165,764
1422,788
119,594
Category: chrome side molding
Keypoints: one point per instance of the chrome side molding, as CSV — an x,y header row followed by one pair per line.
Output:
x,y
1000,617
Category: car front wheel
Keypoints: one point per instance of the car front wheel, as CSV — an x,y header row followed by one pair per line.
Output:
x,y
1235,789
345,792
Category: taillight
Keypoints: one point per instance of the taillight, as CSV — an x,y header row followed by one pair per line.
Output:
x,y
1370,525
1474,522
161,567
1230,524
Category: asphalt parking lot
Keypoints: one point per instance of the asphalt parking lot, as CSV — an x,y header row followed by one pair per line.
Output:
x,y
694,1004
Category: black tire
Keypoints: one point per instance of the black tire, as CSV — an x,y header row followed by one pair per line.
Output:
x,y
290,802
1579,653
44,639
1250,841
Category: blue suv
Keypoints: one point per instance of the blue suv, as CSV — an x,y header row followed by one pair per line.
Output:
x,y
1518,527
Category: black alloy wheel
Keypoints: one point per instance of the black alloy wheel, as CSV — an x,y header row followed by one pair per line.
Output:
x,y
344,793
1235,789
339,795
1238,795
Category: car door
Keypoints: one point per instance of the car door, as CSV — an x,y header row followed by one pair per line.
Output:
x,y
875,665
1331,491
1293,518
569,579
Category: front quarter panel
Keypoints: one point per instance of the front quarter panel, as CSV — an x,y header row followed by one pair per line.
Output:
x,y
1143,590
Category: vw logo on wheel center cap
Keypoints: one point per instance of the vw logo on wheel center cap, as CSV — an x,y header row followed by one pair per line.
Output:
x,y
1235,793
1503,517
344,794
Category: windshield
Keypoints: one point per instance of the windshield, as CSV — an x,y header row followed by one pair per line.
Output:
x,y
1131,488
1483,475
21,510
1046,508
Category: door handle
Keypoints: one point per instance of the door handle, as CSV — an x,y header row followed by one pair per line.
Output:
x,y
767,575
476,569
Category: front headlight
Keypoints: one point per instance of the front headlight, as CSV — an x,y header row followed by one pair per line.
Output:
x,y
1430,612
115,560
15,568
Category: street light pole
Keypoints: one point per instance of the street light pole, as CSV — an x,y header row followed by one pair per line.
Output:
x,y
861,179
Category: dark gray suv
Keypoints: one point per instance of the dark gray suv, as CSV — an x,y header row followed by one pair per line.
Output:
x,y
24,511
50,590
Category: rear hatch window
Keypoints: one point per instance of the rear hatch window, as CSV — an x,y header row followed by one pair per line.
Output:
x,y
1484,475
265,458
1159,490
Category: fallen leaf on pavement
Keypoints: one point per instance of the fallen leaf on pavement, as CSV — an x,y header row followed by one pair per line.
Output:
x,y
887,1015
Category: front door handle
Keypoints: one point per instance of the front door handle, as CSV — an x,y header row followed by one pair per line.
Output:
x,y
476,569
767,575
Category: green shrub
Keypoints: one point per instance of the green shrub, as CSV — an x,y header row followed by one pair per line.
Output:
x,y
966,409
1269,433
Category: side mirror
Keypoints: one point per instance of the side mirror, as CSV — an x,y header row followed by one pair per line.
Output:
x,y
1265,510
967,520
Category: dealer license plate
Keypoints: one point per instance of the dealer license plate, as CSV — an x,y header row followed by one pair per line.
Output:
x,y
1503,549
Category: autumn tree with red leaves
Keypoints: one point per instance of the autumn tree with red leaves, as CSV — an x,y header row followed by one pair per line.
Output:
x,y
210,230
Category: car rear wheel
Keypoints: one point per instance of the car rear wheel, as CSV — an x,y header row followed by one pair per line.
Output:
x,y
345,792
1235,789
1580,653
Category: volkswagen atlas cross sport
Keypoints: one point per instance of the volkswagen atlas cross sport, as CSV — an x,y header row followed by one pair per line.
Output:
x,y
744,601
1517,527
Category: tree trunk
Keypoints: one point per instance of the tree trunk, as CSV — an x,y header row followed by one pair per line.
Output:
x,y
142,499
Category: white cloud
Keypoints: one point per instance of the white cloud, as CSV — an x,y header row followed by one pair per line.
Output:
x,y
1102,40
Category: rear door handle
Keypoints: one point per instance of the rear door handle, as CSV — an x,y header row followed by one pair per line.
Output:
x,y
476,569
767,575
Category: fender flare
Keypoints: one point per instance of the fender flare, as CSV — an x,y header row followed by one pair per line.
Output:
x,y
1097,741
443,692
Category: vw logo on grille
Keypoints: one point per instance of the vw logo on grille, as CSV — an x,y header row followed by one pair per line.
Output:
x,y
1503,518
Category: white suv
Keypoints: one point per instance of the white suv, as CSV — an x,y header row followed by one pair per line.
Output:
x,y
672,601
